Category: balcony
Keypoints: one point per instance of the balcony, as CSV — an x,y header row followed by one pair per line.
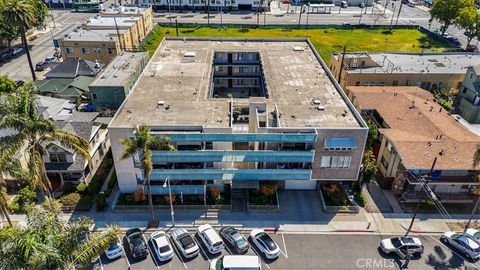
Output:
x,y
232,156
236,137
231,174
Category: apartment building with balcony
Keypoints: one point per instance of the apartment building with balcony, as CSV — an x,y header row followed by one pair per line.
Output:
x,y
240,112
469,96
215,5
419,141
425,70
144,23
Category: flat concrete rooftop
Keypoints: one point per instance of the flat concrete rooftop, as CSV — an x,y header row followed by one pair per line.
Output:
x,y
293,80
119,70
93,35
110,21
428,63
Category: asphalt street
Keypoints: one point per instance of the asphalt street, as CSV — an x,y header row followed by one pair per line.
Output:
x,y
313,251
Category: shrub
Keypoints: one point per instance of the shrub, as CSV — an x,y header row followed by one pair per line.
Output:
x,y
361,199
68,187
95,185
139,195
100,201
214,193
84,204
25,197
81,188
70,199
268,189
166,198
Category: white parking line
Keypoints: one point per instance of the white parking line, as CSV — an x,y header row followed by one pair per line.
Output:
x,y
153,255
455,252
178,252
284,248
125,254
201,248
100,261
227,248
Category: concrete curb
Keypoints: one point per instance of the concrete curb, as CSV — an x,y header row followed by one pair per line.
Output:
x,y
422,232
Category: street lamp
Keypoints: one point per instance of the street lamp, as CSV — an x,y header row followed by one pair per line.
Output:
x,y
167,181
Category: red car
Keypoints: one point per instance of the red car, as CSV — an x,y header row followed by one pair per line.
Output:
x,y
286,2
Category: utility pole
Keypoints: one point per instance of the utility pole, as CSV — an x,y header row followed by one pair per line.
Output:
x,y
473,213
300,15
393,15
341,65
399,10
258,16
264,13
421,199
308,11
361,14
208,13
176,26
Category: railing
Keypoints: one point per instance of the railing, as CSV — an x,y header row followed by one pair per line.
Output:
x,y
231,174
337,209
262,208
232,156
240,137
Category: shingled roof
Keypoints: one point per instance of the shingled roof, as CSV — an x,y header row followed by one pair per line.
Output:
x,y
73,67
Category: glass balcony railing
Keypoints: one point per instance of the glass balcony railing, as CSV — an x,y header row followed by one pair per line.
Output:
x,y
232,156
231,174
241,137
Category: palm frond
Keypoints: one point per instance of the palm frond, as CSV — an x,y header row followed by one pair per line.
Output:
x,y
73,141
96,243
162,143
35,164
129,148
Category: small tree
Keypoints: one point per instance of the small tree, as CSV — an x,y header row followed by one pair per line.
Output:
x,y
214,193
167,198
139,195
372,133
268,189
369,166
469,19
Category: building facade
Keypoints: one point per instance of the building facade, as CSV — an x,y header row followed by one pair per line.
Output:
x,y
469,96
114,83
419,142
428,71
240,112
215,5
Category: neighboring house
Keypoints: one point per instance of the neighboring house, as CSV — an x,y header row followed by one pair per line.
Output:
x,y
69,80
114,83
63,164
240,112
425,70
417,134
469,96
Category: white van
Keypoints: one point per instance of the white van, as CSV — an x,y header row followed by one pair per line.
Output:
x,y
236,262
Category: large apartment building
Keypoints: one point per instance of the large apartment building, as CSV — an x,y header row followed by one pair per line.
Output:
x,y
469,96
428,71
240,112
216,5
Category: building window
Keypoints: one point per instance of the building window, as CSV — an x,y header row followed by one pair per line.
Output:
x,y
357,83
362,63
58,157
394,83
335,161
408,82
94,96
84,50
69,50
384,162
471,75
109,50
381,84
96,50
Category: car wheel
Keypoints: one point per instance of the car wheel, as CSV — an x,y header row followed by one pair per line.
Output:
x,y
444,240
468,256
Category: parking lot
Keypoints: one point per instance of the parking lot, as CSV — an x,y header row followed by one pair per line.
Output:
x,y
309,251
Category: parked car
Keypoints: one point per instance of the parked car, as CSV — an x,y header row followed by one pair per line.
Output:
x,y
49,59
210,238
463,243
410,4
344,4
17,51
361,5
240,262
453,40
114,251
474,234
5,57
471,48
265,243
185,243
137,244
401,246
235,239
161,245
41,66
57,54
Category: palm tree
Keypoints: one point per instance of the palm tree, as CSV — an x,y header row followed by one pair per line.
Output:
x,y
47,242
21,14
5,205
143,143
32,136
476,156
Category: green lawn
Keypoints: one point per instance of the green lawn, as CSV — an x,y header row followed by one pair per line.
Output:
x,y
325,41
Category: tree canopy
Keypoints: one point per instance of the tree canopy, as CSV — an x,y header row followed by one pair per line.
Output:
x,y
446,11
469,19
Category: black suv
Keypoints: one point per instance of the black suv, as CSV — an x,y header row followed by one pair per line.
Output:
x,y
136,243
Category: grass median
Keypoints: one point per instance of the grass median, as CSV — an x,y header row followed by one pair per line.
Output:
x,y
325,40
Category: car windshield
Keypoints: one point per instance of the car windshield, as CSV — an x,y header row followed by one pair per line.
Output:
x,y
265,238
186,241
396,242
476,235
164,249
219,264
113,246
240,240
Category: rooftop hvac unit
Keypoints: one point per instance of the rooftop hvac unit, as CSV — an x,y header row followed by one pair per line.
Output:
x,y
298,49
320,107
316,102
160,103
